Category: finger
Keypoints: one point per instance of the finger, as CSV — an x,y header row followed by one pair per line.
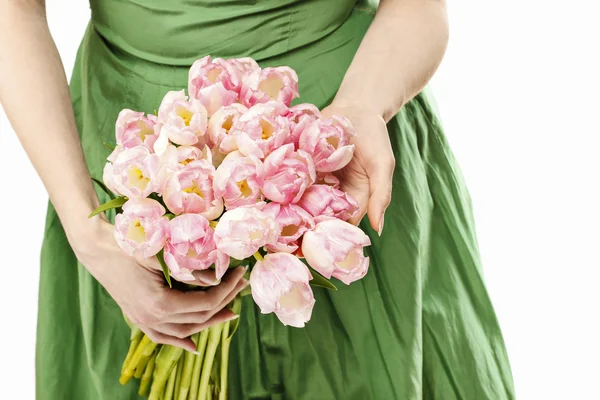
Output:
x,y
188,329
202,316
222,316
380,188
362,199
161,338
206,277
193,301
359,191
241,285
180,331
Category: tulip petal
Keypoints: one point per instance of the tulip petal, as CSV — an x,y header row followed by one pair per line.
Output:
x,y
280,284
337,160
335,248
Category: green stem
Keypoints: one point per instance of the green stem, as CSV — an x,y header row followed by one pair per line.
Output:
x,y
170,385
178,377
214,338
225,341
136,337
165,362
147,377
258,256
139,369
211,391
201,348
186,375
145,349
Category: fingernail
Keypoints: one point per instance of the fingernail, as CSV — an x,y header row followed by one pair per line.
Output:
x,y
381,225
196,353
236,316
245,281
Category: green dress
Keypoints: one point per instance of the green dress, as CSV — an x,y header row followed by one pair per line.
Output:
x,y
420,325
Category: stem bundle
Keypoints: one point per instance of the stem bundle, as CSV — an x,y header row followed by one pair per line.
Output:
x,y
170,373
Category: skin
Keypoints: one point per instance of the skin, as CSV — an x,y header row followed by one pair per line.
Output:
x,y
405,44
35,96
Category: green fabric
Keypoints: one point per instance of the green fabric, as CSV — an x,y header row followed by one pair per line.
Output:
x,y
419,326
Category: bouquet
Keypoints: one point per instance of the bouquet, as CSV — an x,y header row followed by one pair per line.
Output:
x,y
230,174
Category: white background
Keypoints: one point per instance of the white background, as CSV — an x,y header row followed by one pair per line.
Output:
x,y
518,93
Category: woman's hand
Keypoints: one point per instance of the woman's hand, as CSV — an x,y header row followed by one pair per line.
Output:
x,y
166,315
368,176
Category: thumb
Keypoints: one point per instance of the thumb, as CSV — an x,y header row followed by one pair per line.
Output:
x,y
380,188
150,263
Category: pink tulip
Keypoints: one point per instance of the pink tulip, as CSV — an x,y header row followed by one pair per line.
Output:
x,y
245,65
294,221
191,247
326,200
207,72
335,248
215,83
328,141
301,116
135,129
261,129
134,172
261,86
325,178
183,121
280,284
176,158
220,127
179,156
288,174
238,180
141,230
243,230
190,190
187,154
216,96
116,151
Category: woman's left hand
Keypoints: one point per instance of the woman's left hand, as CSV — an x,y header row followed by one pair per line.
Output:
x,y
368,176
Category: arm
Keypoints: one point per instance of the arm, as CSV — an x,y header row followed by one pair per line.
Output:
x,y
35,95
400,52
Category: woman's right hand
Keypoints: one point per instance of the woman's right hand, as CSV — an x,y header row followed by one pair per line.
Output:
x,y
166,315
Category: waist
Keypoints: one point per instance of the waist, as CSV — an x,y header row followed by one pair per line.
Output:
x,y
178,32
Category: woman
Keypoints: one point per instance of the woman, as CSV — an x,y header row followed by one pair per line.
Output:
x,y
420,325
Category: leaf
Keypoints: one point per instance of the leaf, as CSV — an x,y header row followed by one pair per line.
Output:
x,y
163,265
114,203
320,281
236,307
234,262
103,187
246,291
108,146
